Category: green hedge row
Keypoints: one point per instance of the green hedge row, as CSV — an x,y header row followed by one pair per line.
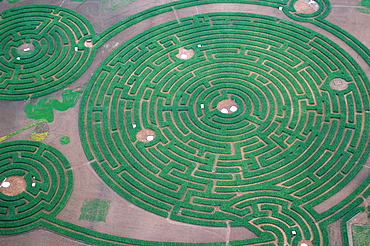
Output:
x,y
265,61
54,32
40,164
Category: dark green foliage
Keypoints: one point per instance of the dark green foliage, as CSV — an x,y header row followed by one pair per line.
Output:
x,y
94,210
42,165
292,143
361,235
286,145
53,63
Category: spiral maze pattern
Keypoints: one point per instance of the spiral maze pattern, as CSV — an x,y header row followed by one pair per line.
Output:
x,y
292,140
49,184
38,50
321,12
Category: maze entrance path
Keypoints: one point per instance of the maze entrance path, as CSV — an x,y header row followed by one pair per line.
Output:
x,y
293,140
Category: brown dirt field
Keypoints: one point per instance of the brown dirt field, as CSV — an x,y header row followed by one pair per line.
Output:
x,y
144,135
226,103
302,6
17,185
348,189
335,233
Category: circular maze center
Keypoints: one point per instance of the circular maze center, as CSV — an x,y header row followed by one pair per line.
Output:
x,y
227,106
13,185
306,6
338,84
26,48
145,135
185,54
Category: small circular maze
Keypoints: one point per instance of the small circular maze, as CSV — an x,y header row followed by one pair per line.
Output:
x,y
292,140
42,50
48,184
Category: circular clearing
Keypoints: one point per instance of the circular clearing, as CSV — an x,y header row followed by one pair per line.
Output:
x,y
88,43
145,135
185,54
306,6
338,84
14,185
227,106
26,49
305,242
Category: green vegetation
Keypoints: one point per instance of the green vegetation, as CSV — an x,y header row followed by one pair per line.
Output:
x,y
292,143
21,130
365,3
39,136
94,210
288,143
44,107
364,6
42,165
55,33
64,140
361,235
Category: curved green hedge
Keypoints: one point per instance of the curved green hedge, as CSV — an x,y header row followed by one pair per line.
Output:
x,y
54,33
42,165
291,133
292,143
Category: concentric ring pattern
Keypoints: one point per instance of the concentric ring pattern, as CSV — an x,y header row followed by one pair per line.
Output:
x,y
48,184
41,50
292,135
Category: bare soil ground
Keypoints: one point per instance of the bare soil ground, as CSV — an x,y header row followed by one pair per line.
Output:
x,y
17,185
145,135
185,53
303,6
227,104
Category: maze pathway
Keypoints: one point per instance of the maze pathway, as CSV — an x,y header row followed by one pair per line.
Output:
x,y
229,119
42,50
47,184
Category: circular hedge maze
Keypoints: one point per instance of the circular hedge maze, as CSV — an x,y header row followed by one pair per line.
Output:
x,y
42,50
290,142
48,184
219,119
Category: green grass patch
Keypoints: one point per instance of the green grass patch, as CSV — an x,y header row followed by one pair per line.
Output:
x,y
94,210
364,6
361,235
110,5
